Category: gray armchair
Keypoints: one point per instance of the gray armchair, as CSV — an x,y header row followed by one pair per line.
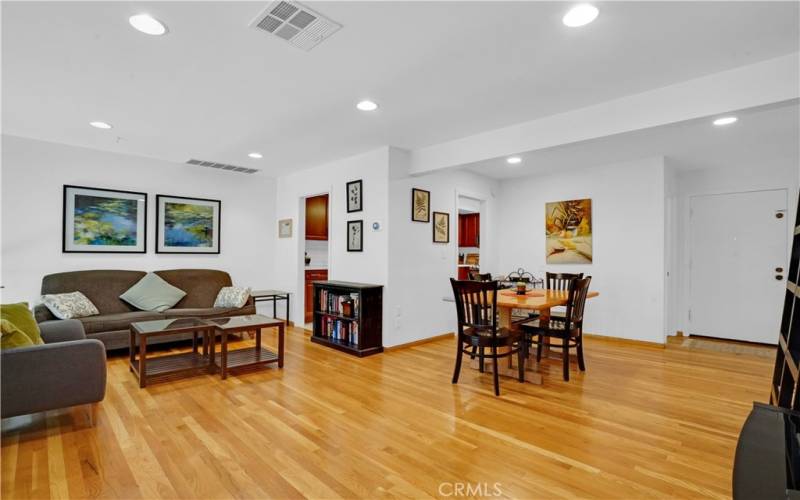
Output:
x,y
68,370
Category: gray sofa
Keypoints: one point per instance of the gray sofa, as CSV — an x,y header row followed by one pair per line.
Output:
x,y
112,326
68,370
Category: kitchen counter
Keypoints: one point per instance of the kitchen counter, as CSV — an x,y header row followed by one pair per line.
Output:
x,y
316,268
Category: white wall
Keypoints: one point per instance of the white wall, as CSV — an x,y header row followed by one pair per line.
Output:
x,y
369,266
33,175
736,178
420,270
628,240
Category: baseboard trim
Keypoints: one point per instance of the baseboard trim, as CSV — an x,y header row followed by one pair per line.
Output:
x,y
418,342
620,340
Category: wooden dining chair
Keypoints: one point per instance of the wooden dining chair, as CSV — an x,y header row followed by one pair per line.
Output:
x,y
476,308
568,330
560,281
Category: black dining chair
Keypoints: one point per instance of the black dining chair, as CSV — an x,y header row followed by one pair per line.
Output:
x,y
476,308
560,281
569,329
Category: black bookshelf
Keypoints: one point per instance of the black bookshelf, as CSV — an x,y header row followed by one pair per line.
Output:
x,y
361,331
786,375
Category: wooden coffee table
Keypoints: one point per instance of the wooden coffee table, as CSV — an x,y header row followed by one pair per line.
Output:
x,y
187,362
247,356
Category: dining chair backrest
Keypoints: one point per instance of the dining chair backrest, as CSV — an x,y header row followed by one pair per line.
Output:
x,y
476,304
474,275
576,301
561,281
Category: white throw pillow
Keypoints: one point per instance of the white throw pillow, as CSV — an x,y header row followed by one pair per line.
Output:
x,y
232,296
69,305
152,293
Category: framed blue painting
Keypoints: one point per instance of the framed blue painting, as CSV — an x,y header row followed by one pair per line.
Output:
x,y
103,221
187,225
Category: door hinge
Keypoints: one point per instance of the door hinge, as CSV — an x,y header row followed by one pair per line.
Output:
x,y
690,314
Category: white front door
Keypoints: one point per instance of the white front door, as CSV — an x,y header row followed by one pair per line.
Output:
x,y
738,265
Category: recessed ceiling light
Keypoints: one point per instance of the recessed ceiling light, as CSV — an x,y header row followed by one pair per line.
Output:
x,y
147,24
255,155
725,120
102,125
367,106
580,15
513,160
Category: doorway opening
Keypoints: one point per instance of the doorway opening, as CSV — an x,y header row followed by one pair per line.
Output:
x,y
469,237
315,258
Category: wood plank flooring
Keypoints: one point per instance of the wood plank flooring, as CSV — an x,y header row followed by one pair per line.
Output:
x,y
642,422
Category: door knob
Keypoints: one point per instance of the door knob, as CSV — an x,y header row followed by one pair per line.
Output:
x,y
778,277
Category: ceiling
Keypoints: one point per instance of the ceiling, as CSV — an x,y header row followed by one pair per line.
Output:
x,y
215,89
765,136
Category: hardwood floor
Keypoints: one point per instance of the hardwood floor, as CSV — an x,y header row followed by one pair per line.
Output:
x,y
643,422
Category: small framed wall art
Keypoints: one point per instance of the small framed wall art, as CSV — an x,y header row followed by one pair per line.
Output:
x,y
103,221
355,200
355,236
420,205
441,227
187,225
285,228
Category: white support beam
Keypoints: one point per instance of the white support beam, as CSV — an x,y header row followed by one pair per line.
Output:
x,y
766,82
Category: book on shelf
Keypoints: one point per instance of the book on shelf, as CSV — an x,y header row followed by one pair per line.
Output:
x,y
339,330
334,303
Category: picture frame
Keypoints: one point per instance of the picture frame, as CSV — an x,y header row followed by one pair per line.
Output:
x,y
355,196
355,236
285,228
441,227
188,225
420,205
99,220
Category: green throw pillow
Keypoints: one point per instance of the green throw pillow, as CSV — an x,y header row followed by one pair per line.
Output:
x,y
13,337
22,317
152,293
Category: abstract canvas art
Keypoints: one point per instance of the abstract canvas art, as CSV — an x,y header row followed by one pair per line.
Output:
x,y
441,227
568,232
187,225
104,221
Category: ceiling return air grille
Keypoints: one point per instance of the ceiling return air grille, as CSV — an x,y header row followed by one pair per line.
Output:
x,y
222,166
295,23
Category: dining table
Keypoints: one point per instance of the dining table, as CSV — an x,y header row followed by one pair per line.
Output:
x,y
536,299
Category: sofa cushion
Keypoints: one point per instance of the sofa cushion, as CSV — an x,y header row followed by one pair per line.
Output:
x,y
119,321
201,312
22,318
152,293
13,337
102,287
232,296
71,305
201,285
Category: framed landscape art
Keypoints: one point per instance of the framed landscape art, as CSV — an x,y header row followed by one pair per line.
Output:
x,y
355,236
441,227
103,221
355,196
187,225
420,205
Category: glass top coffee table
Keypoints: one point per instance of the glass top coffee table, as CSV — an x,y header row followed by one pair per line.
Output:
x,y
247,356
187,362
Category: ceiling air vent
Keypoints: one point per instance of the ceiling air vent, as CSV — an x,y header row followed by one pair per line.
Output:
x,y
222,166
295,23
